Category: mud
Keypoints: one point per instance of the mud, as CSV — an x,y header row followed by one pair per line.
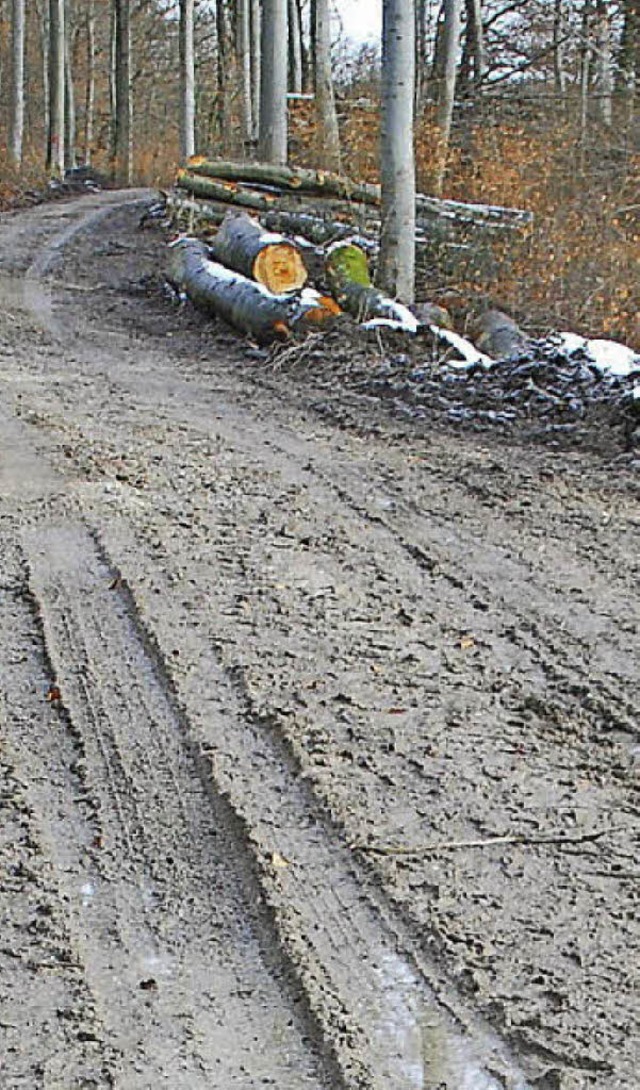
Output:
x,y
319,718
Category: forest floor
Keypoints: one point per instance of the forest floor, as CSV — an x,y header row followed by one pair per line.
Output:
x,y
318,715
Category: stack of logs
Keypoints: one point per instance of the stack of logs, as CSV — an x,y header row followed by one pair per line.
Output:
x,y
262,230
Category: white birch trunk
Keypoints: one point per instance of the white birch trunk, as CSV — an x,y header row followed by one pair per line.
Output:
x,y
450,46
272,144
55,149
397,169
16,135
187,81
328,135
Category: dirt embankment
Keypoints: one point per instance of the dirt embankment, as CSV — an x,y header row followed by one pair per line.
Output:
x,y
319,725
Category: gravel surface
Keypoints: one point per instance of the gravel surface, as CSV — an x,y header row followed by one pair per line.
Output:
x,y
319,711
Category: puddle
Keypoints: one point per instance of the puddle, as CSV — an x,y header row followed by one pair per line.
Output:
x,y
418,1045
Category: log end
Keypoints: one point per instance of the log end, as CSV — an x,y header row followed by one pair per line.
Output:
x,y
280,268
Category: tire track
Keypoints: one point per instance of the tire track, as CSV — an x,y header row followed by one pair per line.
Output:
x,y
174,949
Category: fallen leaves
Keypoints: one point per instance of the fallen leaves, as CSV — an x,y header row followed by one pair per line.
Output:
x,y
53,695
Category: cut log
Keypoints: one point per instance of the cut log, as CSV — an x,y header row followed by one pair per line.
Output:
x,y
243,245
347,273
243,303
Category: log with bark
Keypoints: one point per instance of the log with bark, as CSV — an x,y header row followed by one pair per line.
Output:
x,y
243,303
243,245
347,272
495,333
323,183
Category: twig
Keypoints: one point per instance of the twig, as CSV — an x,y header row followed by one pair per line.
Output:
x,y
457,845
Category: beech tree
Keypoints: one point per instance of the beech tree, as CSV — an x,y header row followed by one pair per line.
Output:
x,y
272,140
328,136
122,151
17,81
396,270
187,81
56,134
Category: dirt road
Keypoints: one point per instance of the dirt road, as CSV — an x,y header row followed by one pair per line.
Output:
x,y
319,744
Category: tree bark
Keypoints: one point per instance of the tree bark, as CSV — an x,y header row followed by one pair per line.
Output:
x,y
90,85
55,143
604,61
122,166
629,52
295,48
272,145
187,81
256,64
69,96
397,168
243,245
447,90
243,50
242,303
16,134
328,135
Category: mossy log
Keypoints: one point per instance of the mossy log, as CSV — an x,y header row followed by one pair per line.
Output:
x,y
243,303
242,244
347,273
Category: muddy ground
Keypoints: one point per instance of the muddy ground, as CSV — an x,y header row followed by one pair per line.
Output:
x,y
319,704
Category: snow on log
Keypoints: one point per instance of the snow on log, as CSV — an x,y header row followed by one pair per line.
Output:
x,y
243,245
347,272
244,304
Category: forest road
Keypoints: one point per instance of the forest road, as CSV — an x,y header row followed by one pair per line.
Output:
x,y
319,745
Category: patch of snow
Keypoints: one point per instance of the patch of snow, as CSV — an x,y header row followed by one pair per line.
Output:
x,y
610,357
471,357
405,322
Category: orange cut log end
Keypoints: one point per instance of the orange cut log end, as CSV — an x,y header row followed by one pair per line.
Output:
x,y
280,268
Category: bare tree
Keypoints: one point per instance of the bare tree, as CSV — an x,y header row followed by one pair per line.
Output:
x,y
447,88
187,81
397,168
272,142
90,84
55,141
604,60
69,94
122,166
256,64
16,135
295,47
243,52
328,135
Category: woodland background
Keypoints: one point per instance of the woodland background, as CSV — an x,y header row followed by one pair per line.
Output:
x,y
546,118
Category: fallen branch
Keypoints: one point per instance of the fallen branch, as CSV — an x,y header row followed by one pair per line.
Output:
x,y
459,845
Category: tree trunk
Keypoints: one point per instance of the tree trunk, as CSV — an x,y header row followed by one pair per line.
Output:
x,y
187,81
559,47
272,146
244,246
69,97
474,43
122,166
295,48
55,144
629,52
397,168
604,60
447,90
90,85
16,135
243,50
328,136
256,64
242,303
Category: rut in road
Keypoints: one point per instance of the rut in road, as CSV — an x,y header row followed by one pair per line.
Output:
x,y
179,955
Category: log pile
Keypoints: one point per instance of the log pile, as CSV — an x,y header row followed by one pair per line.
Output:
x,y
323,208
262,231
